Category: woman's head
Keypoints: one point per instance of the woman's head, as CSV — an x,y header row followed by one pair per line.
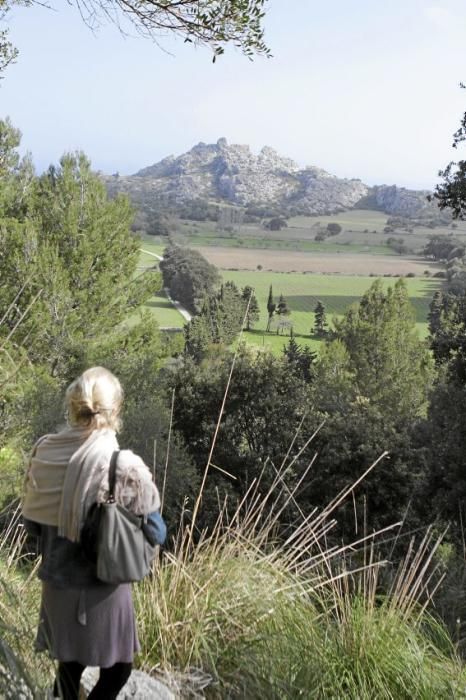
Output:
x,y
94,400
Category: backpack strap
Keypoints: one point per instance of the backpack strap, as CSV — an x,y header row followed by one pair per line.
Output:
x,y
112,476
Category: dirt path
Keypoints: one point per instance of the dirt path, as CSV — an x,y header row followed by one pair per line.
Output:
x,y
184,312
148,252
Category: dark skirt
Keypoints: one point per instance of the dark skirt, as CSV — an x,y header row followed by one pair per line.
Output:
x,y
94,626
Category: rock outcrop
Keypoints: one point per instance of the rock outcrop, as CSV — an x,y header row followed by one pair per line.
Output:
x,y
140,686
232,174
402,202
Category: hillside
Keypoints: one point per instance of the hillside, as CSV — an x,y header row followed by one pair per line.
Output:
x,y
231,174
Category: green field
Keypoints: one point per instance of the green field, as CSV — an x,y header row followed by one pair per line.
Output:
x,y
167,316
291,244
337,293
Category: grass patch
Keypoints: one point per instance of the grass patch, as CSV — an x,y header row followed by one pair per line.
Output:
x,y
337,292
288,244
165,313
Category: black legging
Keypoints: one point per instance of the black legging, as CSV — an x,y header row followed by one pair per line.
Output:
x,y
110,682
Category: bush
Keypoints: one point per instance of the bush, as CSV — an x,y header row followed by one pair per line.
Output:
x,y
276,224
334,229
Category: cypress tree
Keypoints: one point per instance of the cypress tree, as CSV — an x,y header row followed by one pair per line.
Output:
x,y
271,307
436,308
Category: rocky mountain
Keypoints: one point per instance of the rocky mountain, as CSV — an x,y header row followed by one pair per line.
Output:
x,y
232,174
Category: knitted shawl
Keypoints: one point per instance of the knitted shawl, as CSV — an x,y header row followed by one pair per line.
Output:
x,y
68,472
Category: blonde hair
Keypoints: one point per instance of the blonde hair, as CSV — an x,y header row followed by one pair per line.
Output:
x,y
94,400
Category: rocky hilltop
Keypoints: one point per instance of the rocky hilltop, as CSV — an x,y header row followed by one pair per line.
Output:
x,y
232,174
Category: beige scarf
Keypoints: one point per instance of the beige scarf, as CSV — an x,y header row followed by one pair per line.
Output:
x,y
68,472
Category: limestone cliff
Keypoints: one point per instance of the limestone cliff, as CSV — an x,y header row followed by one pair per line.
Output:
x,y
232,174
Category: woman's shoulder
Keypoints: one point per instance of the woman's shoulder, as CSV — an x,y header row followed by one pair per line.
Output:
x,y
40,441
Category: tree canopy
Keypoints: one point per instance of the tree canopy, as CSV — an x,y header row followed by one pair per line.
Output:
x,y
69,249
451,193
213,23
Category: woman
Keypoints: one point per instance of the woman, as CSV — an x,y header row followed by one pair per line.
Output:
x,y
84,622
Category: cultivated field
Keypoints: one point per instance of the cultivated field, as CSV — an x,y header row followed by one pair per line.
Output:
x,y
363,232
321,263
337,293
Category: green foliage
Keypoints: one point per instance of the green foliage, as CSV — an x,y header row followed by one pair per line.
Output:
x,y
218,323
251,305
444,248
301,359
276,223
391,366
266,402
76,260
451,193
10,139
8,53
271,308
444,434
197,210
212,23
371,386
282,307
448,343
335,382
334,229
230,314
153,223
320,321
398,245
188,276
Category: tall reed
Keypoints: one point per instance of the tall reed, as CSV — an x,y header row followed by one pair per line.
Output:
x,y
269,617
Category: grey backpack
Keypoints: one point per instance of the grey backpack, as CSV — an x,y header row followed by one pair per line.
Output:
x,y
124,546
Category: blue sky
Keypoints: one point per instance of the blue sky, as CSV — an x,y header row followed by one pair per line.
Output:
x,y
366,89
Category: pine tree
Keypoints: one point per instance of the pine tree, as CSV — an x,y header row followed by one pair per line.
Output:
x,y
391,365
320,321
252,306
282,307
301,359
292,350
70,246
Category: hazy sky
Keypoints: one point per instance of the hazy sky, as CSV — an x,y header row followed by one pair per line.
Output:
x,y
361,88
